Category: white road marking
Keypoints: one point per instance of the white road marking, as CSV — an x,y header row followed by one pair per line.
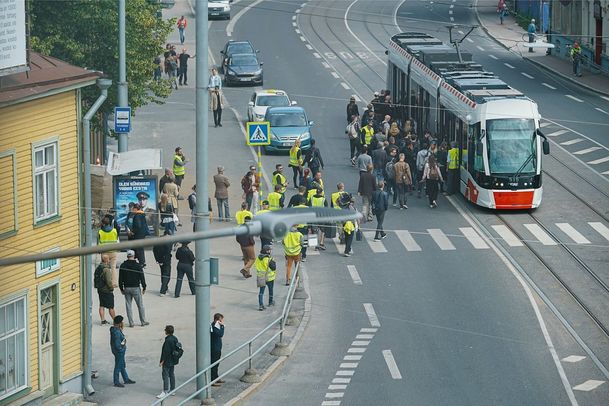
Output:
x,y
573,358
297,31
526,75
508,236
375,246
541,235
231,24
368,330
316,55
357,99
303,4
303,39
341,380
345,373
452,18
452,6
360,343
309,47
450,12
354,274
407,241
588,385
508,65
294,24
441,239
548,86
600,228
599,161
337,387
364,336
346,21
573,234
601,110
605,173
335,75
359,350
374,320
544,124
325,64
470,40
330,403
480,48
574,98
293,17
571,142
493,56
346,86
393,367
586,151
297,11
334,395
352,358
557,133
473,237
605,97
461,32
349,365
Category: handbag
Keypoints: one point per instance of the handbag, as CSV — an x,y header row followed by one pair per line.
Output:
x,y
358,235
260,281
176,219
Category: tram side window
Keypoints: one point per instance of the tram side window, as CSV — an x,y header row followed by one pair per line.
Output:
x,y
414,104
479,161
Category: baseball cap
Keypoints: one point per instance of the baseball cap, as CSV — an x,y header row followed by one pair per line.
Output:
x,y
130,253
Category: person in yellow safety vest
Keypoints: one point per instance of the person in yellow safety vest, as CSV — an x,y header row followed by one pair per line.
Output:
x,y
280,180
243,213
265,275
368,133
334,203
179,166
318,200
453,168
292,247
275,199
317,179
349,230
296,162
107,234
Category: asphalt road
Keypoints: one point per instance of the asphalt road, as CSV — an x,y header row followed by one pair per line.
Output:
x,y
452,317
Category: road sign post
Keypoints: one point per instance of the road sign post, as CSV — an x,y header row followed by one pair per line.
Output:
x,y
259,134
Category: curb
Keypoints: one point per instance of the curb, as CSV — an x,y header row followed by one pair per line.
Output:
x,y
252,389
534,62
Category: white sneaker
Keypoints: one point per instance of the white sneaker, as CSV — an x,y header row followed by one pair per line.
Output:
x,y
161,395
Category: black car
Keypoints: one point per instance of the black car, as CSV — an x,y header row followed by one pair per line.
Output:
x,y
243,69
236,47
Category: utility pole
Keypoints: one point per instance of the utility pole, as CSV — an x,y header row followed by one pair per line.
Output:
x,y
202,276
123,99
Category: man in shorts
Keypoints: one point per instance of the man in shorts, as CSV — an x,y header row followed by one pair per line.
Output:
x,y
105,288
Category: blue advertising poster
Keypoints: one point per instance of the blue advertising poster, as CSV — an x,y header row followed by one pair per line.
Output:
x,y
136,189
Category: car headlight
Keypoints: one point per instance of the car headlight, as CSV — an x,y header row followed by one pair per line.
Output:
x,y
230,72
260,116
305,136
258,72
226,8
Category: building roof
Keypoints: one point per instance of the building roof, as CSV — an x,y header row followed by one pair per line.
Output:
x,y
46,74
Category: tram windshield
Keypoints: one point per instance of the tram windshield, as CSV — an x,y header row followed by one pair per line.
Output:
x,y
511,143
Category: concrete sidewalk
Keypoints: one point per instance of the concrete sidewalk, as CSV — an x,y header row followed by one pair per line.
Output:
x,y
515,38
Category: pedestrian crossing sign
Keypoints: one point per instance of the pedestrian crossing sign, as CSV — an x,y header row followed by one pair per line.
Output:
x,y
258,133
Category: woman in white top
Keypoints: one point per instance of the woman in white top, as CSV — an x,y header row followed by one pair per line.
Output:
x,y
215,81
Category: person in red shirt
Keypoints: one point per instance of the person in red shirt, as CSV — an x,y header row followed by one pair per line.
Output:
x,y
181,28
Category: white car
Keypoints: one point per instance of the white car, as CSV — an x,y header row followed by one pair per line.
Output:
x,y
261,100
218,9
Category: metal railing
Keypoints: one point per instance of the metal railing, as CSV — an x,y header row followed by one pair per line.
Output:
x,y
281,321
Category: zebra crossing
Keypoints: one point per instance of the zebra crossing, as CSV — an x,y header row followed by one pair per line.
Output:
x,y
590,233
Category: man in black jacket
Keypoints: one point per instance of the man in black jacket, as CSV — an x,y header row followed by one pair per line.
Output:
x,y
313,159
162,256
217,332
352,109
130,277
186,260
380,204
168,361
366,187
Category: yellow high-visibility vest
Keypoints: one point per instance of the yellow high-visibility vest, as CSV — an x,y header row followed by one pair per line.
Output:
x,y
291,243
274,199
177,169
318,201
368,134
282,182
335,196
108,237
348,227
453,155
263,269
295,160
241,215
262,211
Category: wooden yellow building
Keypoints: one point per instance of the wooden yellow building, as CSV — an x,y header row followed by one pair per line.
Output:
x,y
41,312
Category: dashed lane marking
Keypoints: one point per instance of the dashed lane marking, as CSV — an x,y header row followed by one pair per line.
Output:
x,y
589,385
297,11
605,97
573,234
573,358
303,39
325,65
452,18
526,75
470,40
316,55
297,31
461,32
548,86
354,275
573,141
473,237
574,98
375,246
441,239
359,350
493,56
303,4
309,47
352,358
294,24
601,110
586,151
364,336
391,364
599,161
346,86
374,320
557,133
357,99
360,343
337,387
368,330
335,75
541,235
349,365
544,124
330,403
509,66
345,373
341,380
600,228
407,241
334,395
480,48
293,17
450,12
507,236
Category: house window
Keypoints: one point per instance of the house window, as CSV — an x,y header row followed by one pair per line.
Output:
x,y
46,188
47,265
13,343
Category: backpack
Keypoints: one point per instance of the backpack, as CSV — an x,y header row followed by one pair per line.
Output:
x,y
98,278
390,169
177,353
344,200
191,201
433,172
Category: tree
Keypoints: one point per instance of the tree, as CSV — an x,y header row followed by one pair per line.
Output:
x,y
85,33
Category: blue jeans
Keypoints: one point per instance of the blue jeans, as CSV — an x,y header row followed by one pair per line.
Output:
x,y
169,378
261,293
378,174
181,30
223,209
119,367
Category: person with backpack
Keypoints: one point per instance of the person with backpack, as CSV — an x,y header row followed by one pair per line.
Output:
x,y
422,157
102,281
432,176
313,159
353,131
247,243
266,268
403,179
390,179
171,353
380,204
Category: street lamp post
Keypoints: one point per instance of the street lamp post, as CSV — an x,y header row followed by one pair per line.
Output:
x,y
123,99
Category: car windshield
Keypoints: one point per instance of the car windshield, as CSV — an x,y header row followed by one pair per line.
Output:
x,y
241,48
273,101
287,120
242,60
511,142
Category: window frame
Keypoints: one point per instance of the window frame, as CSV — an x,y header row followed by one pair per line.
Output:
x,y
41,146
21,296
45,271
13,154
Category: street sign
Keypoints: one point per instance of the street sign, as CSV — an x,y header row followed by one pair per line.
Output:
x,y
258,133
122,119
